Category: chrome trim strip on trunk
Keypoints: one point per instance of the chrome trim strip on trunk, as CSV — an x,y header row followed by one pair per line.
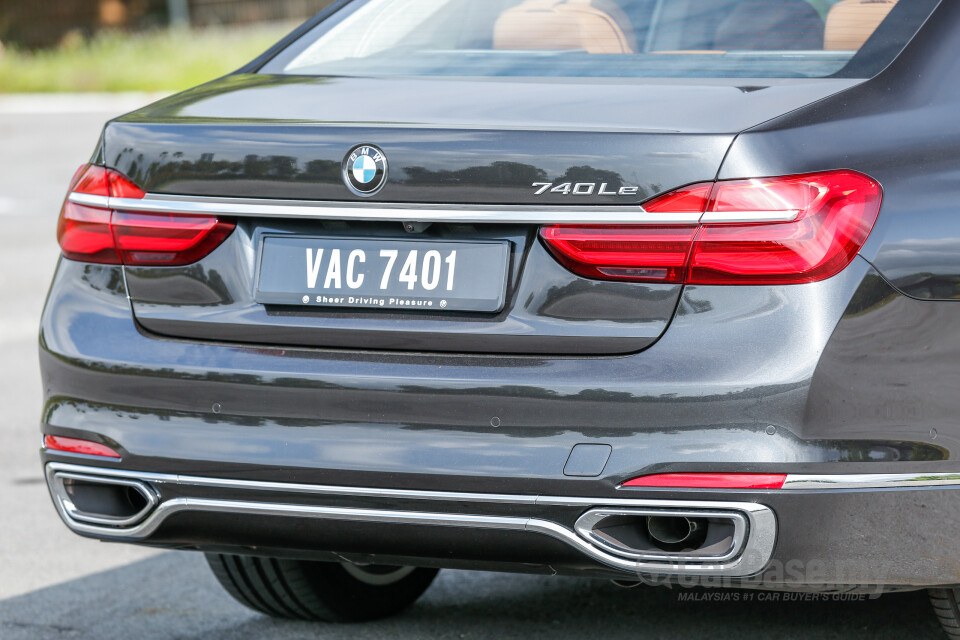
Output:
x,y
328,210
464,213
755,554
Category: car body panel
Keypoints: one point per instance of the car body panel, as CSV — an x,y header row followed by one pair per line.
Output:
x,y
332,413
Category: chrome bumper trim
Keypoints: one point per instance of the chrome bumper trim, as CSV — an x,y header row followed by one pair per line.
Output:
x,y
755,552
793,482
796,481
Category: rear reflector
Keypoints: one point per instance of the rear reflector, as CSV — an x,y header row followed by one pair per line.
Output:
x,y
75,445
710,481
784,230
90,231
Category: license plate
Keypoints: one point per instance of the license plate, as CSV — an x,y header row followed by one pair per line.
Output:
x,y
420,275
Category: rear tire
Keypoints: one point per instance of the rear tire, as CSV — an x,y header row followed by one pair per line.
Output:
x,y
320,591
946,604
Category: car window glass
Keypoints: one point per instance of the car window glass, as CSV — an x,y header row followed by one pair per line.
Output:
x,y
614,38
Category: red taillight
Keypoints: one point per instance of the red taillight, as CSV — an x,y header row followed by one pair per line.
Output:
x,y
90,231
624,253
121,187
166,238
710,481
84,234
766,231
76,445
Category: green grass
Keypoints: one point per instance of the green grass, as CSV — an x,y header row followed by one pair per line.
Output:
x,y
160,60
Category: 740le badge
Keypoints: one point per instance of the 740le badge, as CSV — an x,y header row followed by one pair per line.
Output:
x,y
582,189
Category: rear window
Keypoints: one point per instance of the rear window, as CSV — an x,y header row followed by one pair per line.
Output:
x,y
606,38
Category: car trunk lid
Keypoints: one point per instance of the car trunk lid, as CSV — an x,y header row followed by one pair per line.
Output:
x,y
478,161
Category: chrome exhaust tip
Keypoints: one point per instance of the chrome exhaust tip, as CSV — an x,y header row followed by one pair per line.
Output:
x,y
667,535
104,501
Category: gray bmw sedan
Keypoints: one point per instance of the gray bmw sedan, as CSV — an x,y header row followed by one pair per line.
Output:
x,y
660,291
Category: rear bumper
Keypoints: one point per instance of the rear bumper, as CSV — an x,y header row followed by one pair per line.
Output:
x,y
747,379
826,539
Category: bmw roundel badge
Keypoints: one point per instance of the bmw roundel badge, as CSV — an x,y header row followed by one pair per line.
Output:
x,y
365,170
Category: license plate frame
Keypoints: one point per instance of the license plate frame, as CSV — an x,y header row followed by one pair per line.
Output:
x,y
476,287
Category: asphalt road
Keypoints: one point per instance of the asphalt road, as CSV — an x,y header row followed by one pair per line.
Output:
x,y
54,584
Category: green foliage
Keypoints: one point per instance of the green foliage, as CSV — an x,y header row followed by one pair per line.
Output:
x,y
162,60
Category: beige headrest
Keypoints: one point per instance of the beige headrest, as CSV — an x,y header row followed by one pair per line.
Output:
x,y
851,22
595,26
